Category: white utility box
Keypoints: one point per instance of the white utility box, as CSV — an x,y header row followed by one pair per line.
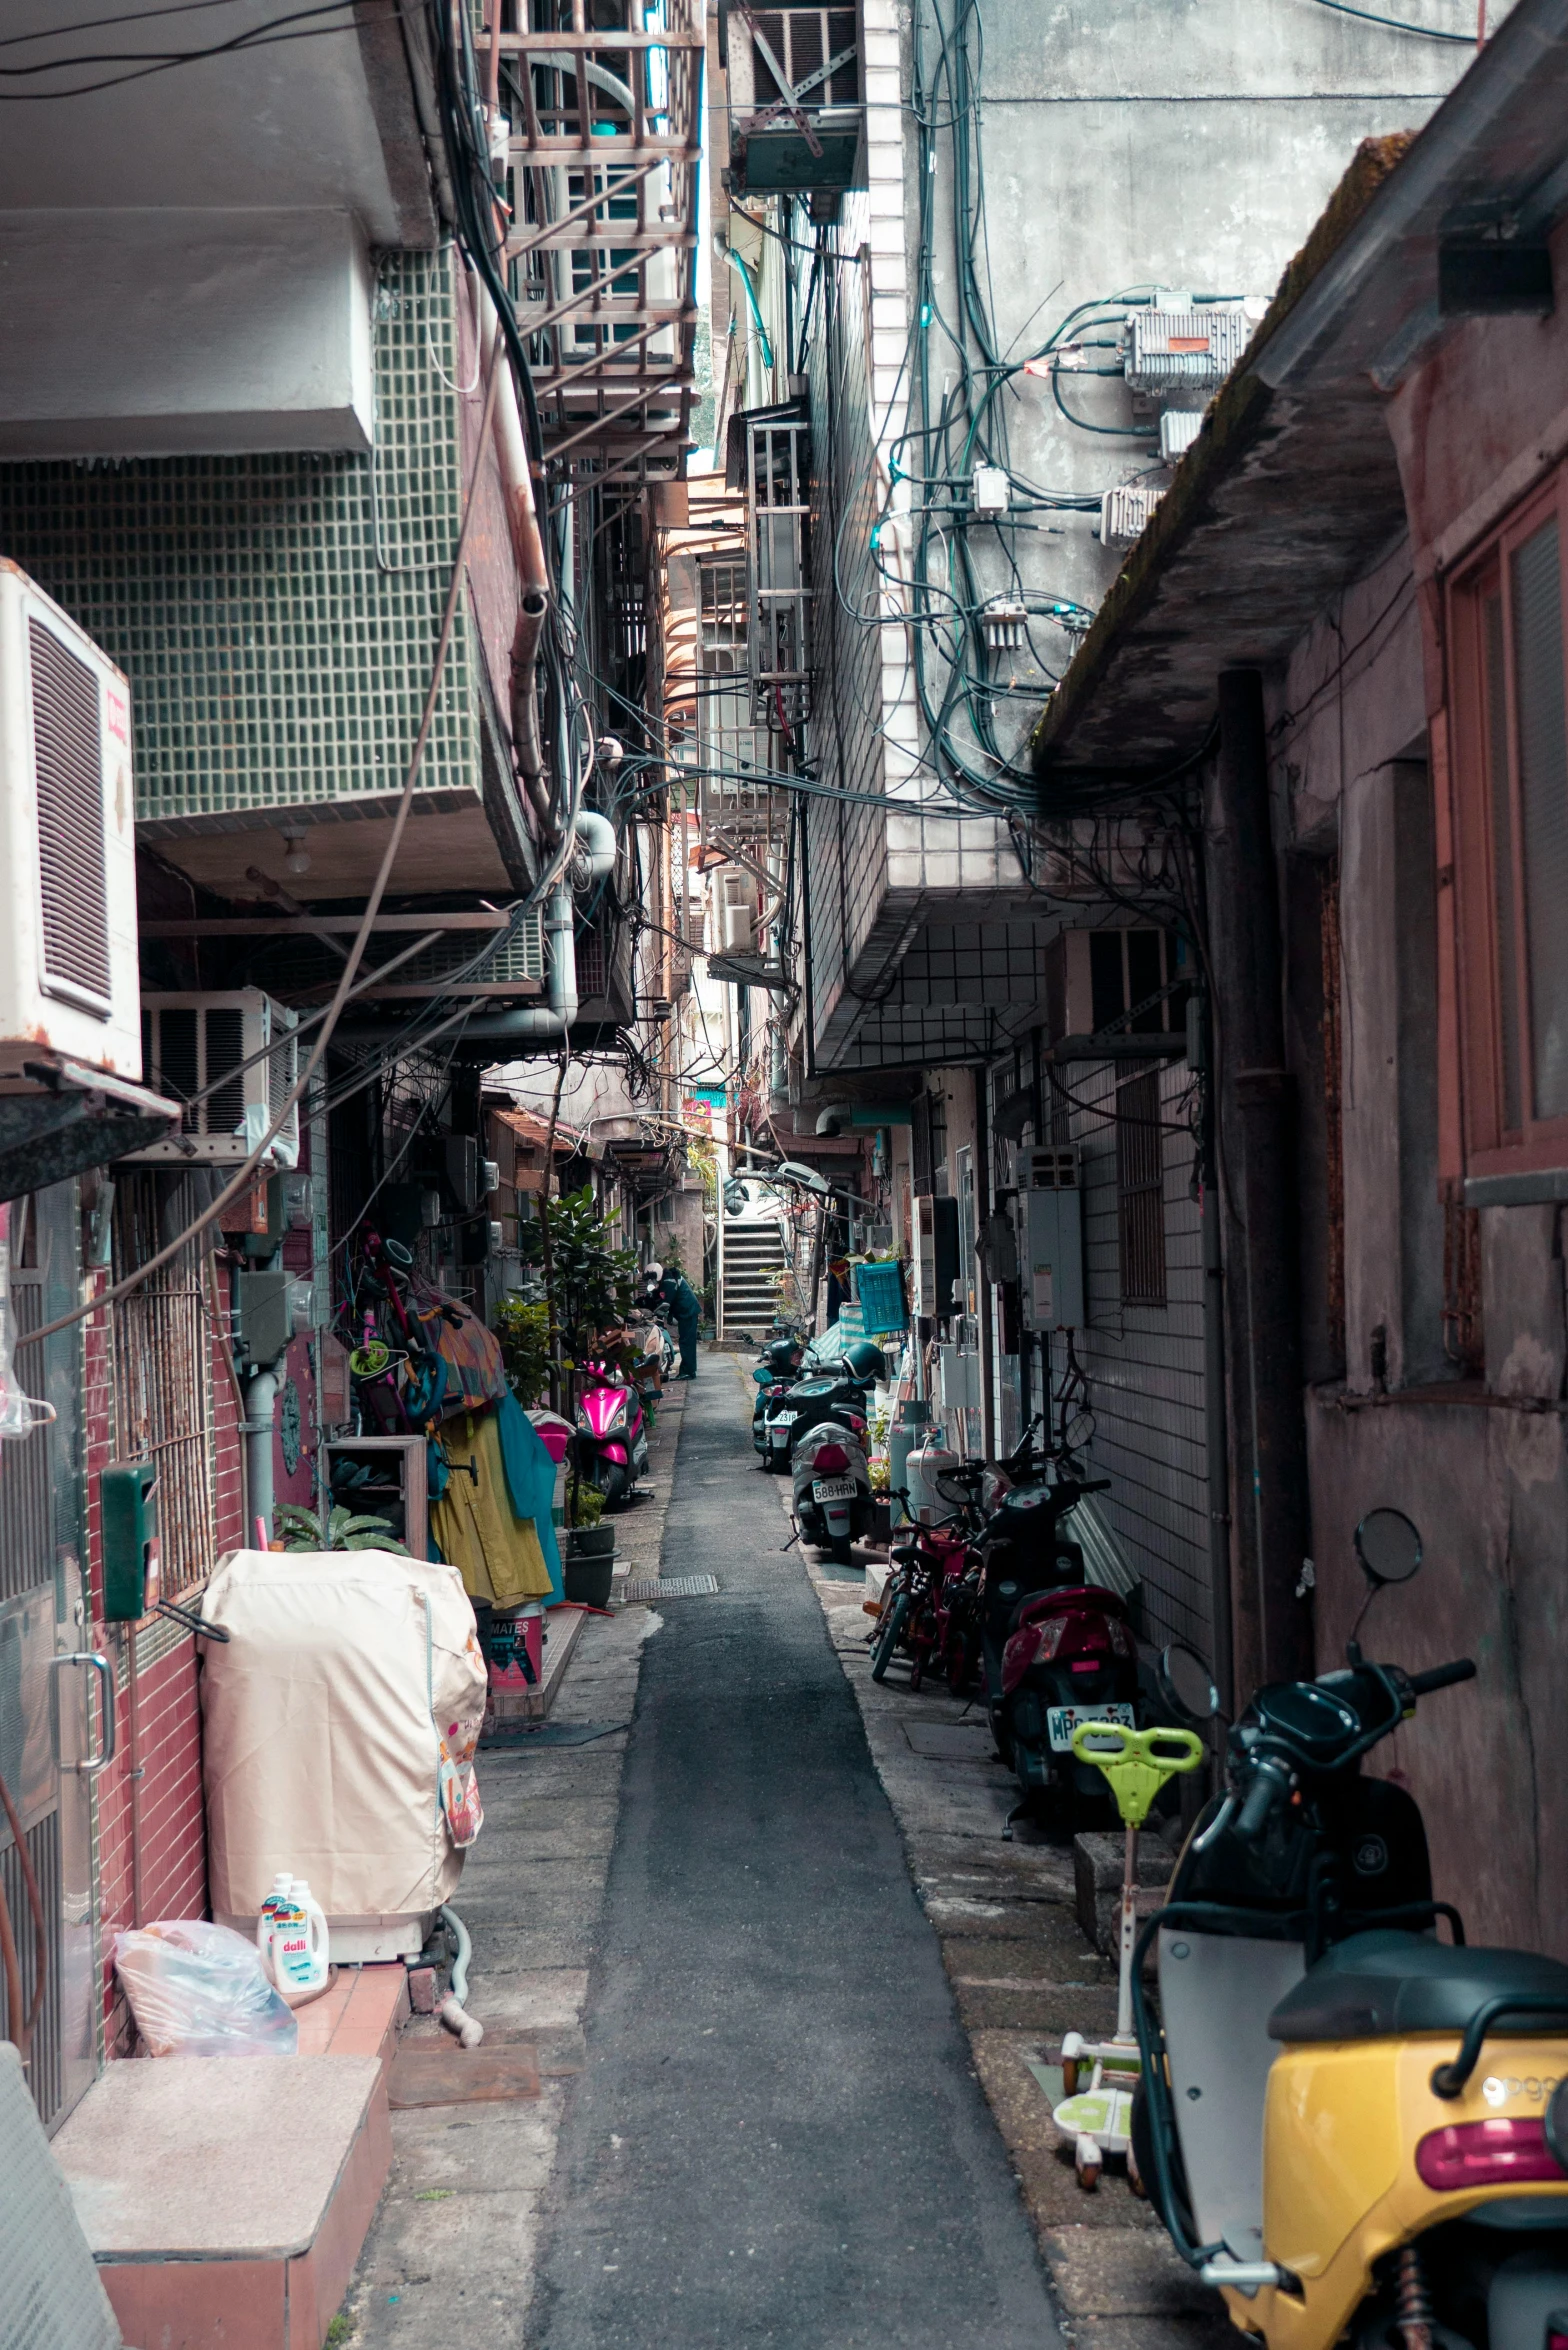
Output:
x,y
1049,1210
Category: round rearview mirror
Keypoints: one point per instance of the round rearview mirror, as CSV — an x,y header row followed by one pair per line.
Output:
x,y
1079,1431
1388,1546
1185,1684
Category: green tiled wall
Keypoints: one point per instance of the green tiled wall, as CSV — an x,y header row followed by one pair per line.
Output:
x,y
277,615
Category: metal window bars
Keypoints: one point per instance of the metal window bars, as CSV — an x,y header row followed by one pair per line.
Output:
x,y
778,490
162,1379
605,109
732,747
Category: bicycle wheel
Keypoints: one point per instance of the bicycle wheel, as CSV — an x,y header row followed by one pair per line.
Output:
x,y
889,1634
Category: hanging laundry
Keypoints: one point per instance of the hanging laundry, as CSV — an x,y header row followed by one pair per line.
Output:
x,y
530,1477
495,1550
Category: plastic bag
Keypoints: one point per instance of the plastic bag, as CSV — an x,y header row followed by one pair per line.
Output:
x,y
200,1990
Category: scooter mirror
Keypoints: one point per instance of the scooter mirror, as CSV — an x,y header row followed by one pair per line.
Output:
x,y
1388,1546
1185,1684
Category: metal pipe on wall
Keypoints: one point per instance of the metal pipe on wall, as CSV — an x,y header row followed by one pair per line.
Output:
x,y
1273,1625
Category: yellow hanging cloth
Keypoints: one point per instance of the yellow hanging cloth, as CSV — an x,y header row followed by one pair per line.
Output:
x,y
496,1553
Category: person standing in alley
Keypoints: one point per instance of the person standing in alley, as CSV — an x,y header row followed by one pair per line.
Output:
x,y
671,1288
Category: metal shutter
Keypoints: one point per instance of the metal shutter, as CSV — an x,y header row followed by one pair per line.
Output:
x,y
68,756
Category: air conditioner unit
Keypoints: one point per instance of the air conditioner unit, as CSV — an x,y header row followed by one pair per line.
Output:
x,y
68,977
231,1059
734,912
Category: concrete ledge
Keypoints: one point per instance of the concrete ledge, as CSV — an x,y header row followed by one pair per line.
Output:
x,y
226,2199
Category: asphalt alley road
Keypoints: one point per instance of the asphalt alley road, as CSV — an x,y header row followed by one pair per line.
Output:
x,y
778,2138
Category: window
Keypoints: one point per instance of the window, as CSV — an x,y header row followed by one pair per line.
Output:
x,y
1510,750
1140,1191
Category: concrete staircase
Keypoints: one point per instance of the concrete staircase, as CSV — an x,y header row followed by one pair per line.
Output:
x,y
753,1251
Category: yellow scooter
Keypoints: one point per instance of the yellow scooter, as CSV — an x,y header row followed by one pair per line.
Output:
x,y
1356,2132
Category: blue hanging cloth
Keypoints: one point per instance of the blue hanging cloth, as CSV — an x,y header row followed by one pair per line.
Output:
x,y
530,1480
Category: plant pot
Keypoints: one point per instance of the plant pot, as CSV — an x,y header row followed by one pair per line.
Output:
x,y
589,1582
881,1530
590,1542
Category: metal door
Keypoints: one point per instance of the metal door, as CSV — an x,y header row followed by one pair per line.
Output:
x,y
46,1743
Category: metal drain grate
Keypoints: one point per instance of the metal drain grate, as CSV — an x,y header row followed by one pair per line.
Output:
x,y
672,1587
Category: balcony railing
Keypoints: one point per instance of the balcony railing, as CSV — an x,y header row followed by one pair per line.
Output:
x,y
605,142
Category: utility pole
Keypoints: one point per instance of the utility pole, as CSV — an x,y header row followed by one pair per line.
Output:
x,y
1257,1168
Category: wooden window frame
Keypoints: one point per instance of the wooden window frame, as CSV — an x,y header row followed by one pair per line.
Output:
x,y
1535,1145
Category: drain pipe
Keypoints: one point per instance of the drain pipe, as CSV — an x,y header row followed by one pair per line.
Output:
x,y
261,1395
470,2031
595,847
554,1019
534,604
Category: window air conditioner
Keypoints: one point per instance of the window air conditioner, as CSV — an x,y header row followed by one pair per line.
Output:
x,y
231,1059
68,975
734,912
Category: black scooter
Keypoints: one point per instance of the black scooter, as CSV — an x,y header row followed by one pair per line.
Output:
x,y
806,1405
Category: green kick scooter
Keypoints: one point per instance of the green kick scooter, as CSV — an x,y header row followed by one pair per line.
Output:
x,y
1097,2120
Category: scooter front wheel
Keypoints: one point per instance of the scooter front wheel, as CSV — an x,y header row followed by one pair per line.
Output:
x,y
613,1482
889,1633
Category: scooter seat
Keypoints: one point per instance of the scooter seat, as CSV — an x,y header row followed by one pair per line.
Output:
x,y
1384,1984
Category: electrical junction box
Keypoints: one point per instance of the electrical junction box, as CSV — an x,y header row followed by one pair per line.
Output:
x,y
1181,354
988,490
128,1510
263,1317
936,1256
1179,428
1049,1212
958,1379
1125,510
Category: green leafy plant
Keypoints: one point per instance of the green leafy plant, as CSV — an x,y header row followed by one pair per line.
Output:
x,y
585,1503
592,1285
524,1333
300,1529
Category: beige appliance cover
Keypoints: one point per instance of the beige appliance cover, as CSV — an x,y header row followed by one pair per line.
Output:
x,y
325,1714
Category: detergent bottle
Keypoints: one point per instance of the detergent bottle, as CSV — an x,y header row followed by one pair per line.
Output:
x,y
297,1944
277,1905
304,1959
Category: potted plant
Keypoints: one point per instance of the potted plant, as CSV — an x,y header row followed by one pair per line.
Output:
x,y
588,1570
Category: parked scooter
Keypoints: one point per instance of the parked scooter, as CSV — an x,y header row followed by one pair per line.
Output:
x,y
840,1396
610,1440
775,1375
1316,2124
831,1488
1056,1650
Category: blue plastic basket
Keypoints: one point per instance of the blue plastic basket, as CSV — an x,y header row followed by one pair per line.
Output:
x,y
880,1292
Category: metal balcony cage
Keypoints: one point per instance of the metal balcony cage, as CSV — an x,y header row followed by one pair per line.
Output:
x,y
604,104
778,490
797,121
733,748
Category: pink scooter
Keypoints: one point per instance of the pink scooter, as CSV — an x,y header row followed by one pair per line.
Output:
x,y
610,1441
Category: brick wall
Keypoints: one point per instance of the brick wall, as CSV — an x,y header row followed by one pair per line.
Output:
x,y
170,1829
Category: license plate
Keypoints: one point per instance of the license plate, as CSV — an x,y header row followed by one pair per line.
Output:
x,y
1062,1720
833,1489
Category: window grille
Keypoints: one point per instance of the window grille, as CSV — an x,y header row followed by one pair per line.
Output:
x,y
162,1383
732,746
777,518
1140,1191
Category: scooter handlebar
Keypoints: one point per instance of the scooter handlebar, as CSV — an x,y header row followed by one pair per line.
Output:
x,y
1443,1676
1270,1781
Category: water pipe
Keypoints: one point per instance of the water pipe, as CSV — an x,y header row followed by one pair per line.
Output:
x,y
470,2031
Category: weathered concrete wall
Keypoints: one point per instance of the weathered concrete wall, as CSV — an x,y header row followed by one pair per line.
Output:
x,y
1488,1762
1136,143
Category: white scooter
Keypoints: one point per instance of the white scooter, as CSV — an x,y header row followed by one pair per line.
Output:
x,y
831,1489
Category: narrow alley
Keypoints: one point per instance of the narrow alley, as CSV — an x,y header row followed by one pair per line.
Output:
x,y
783,1175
